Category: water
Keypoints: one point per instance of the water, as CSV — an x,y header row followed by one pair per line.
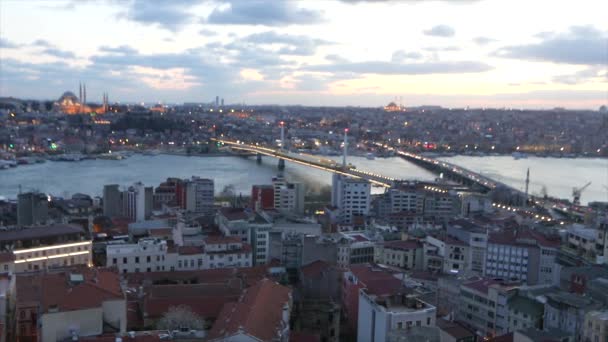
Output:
x,y
89,176
557,175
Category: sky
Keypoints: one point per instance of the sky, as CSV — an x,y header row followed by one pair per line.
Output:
x,y
492,53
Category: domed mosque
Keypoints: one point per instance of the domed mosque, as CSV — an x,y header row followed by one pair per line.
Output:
x,y
69,103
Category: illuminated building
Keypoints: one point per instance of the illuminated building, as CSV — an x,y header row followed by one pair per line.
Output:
x,y
47,247
69,103
393,107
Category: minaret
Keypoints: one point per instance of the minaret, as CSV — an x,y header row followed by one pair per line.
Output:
x,y
527,183
80,97
345,146
282,135
84,95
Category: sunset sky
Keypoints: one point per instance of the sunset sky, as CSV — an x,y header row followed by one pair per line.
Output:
x,y
522,54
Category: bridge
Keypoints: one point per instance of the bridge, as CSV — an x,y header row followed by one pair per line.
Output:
x,y
309,160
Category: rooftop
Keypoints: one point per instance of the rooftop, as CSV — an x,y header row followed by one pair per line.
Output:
x,y
39,232
377,279
258,312
403,244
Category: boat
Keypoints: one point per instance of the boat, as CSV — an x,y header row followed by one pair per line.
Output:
x,y
519,155
370,156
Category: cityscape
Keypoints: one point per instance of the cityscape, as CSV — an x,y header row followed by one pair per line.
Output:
x,y
294,185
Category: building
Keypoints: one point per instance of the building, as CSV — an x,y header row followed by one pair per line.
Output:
x,y
351,197
199,195
476,238
167,193
378,280
380,315
262,197
581,241
46,247
32,209
137,202
483,306
68,305
595,327
288,197
261,314
111,200
524,313
407,254
522,255
354,248
567,312
251,227
155,255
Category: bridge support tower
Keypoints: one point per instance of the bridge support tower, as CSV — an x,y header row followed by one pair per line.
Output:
x,y
258,158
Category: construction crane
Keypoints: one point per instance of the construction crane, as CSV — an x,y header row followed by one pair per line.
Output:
x,y
576,193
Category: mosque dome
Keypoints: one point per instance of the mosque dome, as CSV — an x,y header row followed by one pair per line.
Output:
x,y
68,99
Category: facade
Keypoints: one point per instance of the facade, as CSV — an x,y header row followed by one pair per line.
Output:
x,y
262,197
354,248
524,313
483,306
137,202
381,315
46,247
154,255
522,255
111,200
199,195
404,254
32,209
596,326
566,312
288,197
252,228
476,238
351,197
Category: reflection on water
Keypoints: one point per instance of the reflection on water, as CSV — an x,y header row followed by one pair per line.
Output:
x,y
65,178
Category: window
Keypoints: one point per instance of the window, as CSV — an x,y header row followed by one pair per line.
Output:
x,y
124,260
400,325
114,261
137,260
428,321
148,259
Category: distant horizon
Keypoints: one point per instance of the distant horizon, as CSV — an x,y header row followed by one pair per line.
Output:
x,y
483,53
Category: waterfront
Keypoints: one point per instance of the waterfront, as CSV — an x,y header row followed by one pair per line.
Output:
x,y
558,175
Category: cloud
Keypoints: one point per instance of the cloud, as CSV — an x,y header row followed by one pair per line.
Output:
x,y
207,33
390,68
289,44
170,15
400,55
122,50
58,53
336,58
4,43
591,74
443,48
580,45
483,40
440,31
256,12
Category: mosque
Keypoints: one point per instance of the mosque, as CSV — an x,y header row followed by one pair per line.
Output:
x,y
69,103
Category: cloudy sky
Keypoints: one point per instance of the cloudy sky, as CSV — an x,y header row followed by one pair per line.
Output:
x,y
518,53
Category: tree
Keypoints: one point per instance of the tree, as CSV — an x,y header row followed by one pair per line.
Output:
x,y
181,318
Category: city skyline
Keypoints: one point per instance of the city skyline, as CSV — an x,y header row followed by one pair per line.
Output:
x,y
365,53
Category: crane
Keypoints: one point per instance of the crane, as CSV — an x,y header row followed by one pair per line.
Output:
x,y
576,193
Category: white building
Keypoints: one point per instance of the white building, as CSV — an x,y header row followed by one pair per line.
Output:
x,y
380,315
351,197
154,255
199,195
137,202
252,228
288,197
355,248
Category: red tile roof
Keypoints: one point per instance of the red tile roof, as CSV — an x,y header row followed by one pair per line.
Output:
x,y
378,280
206,300
251,275
189,250
314,269
214,240
54,290
258,313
